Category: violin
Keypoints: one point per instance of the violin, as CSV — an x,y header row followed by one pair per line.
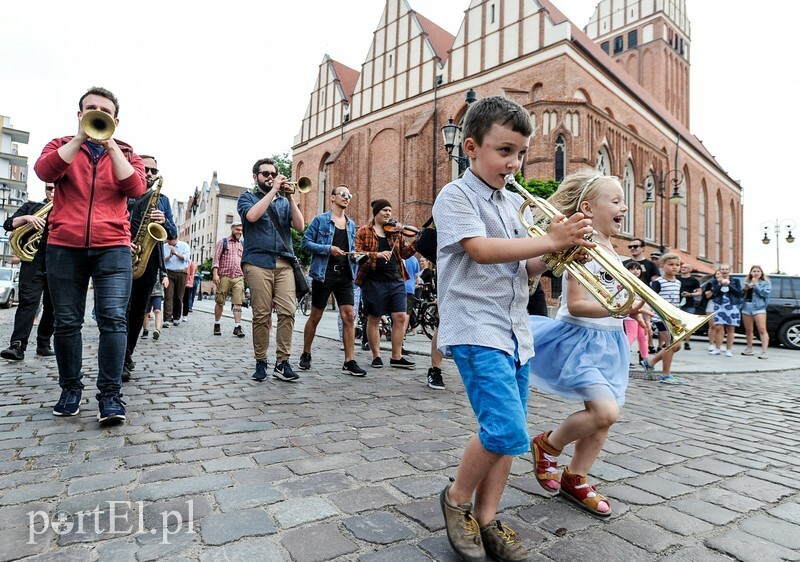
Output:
x,y
392,226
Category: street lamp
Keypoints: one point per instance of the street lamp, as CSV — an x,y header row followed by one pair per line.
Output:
x,y
451,133
675,198
788,224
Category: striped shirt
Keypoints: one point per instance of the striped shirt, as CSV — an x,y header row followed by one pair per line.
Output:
x,y
669,290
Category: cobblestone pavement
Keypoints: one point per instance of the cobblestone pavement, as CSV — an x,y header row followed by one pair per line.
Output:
x,y
214,466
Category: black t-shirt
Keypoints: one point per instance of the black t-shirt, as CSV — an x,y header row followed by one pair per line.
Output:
x,y
341,242
649,269
386,271
689,285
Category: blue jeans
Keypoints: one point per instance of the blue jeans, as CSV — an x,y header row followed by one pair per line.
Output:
x,y
68,272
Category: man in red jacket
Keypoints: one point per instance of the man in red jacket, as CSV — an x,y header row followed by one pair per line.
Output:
x,y
90,239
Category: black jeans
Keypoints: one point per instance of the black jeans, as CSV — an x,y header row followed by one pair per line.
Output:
x,y
137,305
173,295
32,287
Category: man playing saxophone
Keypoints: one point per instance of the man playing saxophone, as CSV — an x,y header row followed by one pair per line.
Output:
x,y
143,211
32,285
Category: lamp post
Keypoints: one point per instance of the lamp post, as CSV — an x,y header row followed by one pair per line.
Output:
x,y
675,198
788,224
451,133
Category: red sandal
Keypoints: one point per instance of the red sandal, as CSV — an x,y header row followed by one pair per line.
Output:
x,y
575,488
545,458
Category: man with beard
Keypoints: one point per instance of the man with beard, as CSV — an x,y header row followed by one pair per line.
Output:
x,y
142,287
268,214
229,279
329,238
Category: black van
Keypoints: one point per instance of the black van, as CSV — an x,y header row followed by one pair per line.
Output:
x,y
783,310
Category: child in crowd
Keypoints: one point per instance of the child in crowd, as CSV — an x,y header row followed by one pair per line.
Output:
x,y
484,260
636,327
583,353
757,288
669,287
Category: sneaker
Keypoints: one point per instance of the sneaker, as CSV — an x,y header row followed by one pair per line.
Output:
x,y
435,378
463,530
352,368
129,364
686,346
112,408
126,374
728,353
377,363
166,325
283,371
763,356
15,352
156,334
145,333
648,368
183,319
45,350
261,371
305,361
238,332
652,350
402,363
502,542
711,347
69,404
176,322
748,352
404,351
365,346
714,351
217,329
670,379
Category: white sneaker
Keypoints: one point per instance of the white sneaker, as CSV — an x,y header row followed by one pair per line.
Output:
x,y
711,347
728,353
714,351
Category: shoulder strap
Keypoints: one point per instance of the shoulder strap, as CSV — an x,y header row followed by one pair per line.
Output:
x,y
428,222
278,227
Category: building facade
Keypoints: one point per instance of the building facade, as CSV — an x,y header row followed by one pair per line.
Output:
x,y
614,97
13,176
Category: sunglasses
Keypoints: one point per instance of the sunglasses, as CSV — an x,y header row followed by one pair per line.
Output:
x,y
49,187
153,171
269,174
633,246
345,195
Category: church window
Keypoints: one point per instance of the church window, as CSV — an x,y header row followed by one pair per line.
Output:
x,y
633,39
603,164
560,159
492,13
701,224
618,45
628,186
605,46
649,213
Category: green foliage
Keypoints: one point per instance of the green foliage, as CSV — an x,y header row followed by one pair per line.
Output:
x,y
537,187
205,268
283,163
302,255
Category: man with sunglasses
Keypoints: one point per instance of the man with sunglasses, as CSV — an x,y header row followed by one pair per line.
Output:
x,y
650,270
142,287
269,214
32,286
329,238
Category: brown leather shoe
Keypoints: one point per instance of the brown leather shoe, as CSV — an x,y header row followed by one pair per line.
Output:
x,y
463,530
217,330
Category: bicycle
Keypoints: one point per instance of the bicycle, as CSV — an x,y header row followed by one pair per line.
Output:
x,y
304,304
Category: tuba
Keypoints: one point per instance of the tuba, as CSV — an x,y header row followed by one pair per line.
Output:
x,y
680,324
24,241
148,235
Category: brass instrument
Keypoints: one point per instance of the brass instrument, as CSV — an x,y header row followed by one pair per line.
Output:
x,y
98,125
680,324
302,185
149,234
24,241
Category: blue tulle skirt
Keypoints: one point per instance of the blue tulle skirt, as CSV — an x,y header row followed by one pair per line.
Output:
x,y
579,362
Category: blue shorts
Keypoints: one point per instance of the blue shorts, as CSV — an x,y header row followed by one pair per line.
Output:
x,y
748,309
154,304
497,387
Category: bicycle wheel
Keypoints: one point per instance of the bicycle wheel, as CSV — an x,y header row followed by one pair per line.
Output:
x,y
305,304
429,319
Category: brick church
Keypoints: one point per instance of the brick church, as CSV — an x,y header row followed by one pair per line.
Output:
x,y
613,96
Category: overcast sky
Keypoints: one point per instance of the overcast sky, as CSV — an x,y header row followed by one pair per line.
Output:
x,y
208,85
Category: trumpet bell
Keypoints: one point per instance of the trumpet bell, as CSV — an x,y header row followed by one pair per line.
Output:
x,y
302,185
98,125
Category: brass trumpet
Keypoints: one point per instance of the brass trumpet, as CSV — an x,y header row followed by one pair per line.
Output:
x,y
98,125
302,185
680,324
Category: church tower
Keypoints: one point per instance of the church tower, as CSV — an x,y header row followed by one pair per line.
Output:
x,y
650,39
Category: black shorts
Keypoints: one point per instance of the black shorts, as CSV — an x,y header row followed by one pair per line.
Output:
x,y
383,297
341,287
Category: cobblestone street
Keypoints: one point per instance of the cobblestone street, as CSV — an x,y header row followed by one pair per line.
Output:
x,y
214,466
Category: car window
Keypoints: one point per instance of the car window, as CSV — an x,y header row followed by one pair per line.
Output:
x,y
5,275
791,288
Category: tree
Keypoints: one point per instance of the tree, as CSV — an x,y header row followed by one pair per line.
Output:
x,y
537,187
283,164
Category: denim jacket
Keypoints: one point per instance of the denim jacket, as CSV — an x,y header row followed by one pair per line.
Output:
x,y
734,292
262,242
318,240
761,293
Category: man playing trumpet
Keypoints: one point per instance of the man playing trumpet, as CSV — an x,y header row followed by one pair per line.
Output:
x,y
89,238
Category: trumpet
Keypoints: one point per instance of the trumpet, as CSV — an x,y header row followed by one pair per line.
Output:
x,y
680,324
98,125
302,185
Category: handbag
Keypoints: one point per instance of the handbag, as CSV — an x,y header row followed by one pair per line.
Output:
x,y
426,241
301,287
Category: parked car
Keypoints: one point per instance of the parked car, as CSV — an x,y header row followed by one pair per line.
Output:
x,y
9,286
783,310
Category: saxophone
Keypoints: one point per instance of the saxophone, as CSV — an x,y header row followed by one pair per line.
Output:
x,y
149,234
24,241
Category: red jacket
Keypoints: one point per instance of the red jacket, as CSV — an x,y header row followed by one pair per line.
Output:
x,y
90,206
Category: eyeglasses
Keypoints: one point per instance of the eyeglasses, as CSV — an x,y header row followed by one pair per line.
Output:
x,y
153,171
268,174
345,195
49,187
633,246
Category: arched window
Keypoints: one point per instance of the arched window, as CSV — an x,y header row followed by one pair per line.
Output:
x,y
650,214
683,223
702,240
628,189
603,164
560,158
732,236
717,230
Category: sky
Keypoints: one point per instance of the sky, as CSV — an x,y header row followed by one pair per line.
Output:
x,y
212,86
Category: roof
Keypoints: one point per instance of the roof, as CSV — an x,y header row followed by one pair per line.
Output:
x,y
227,190
348,78
441,40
